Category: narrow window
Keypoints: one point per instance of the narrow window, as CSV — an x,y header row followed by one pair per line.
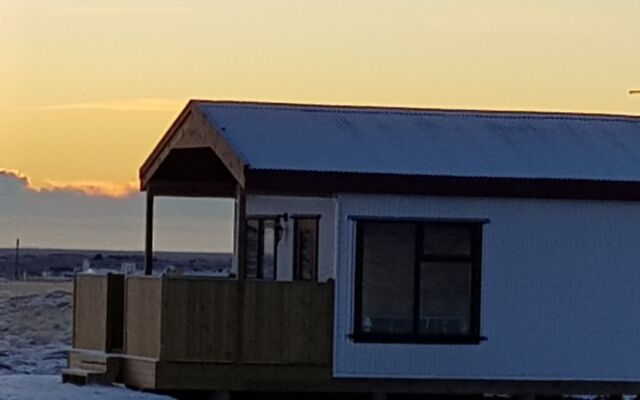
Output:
x,y
418,281
268,254
305,248
252,248
261,248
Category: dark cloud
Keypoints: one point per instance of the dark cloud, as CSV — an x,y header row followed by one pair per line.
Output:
x,y
70,218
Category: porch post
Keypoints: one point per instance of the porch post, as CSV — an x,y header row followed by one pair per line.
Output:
x,y
148,243
240,226
240,246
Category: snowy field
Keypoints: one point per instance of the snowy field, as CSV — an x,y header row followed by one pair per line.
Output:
x,y
35,326
35,334
48,387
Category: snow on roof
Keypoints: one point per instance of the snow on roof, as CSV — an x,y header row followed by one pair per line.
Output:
x,y
430,142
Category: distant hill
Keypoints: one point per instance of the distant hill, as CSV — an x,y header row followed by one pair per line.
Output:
x,y
57,261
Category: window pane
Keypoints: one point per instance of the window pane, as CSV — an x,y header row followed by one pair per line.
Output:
x,y
251,269
445,298
447,240
268,250
388,254
306,251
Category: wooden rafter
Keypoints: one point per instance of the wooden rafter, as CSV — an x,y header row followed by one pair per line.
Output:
x,y
192,130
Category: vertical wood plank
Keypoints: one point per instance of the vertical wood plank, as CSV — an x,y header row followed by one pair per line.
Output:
x,y
143,317
247,337
297,313
90,310
200,320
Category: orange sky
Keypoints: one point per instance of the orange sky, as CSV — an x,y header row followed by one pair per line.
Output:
x,y
87,88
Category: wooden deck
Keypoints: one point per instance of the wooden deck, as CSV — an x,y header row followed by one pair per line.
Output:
x,y
198,333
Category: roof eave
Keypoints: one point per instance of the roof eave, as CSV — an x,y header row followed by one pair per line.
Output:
x,y
153,158
314,183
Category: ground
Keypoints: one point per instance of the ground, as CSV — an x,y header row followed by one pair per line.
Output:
x,y
35,334
35,326
46,387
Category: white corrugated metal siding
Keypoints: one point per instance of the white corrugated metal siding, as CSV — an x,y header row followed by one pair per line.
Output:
x,y
560,292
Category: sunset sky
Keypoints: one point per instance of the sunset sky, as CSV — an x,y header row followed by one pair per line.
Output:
x,y
88,87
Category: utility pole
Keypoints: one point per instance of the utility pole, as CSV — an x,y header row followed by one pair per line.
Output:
x,y
634,91
16,264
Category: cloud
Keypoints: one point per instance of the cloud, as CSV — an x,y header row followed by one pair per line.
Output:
x,y
94,189
126,105
67,217
14,178
105,216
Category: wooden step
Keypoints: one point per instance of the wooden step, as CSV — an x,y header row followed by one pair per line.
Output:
x,y
91,367
95,361
78,376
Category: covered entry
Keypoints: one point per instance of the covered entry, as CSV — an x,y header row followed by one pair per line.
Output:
x,y
198,332
192,160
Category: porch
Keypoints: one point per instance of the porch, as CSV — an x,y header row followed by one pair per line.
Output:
x,y
181,333
252,331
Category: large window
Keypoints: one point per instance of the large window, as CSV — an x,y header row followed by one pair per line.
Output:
x,y
262,236
418,281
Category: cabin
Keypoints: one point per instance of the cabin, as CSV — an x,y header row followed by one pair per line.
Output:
x,y
385,251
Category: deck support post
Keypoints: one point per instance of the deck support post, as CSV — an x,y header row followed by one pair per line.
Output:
x,y
240,253
148,243
240,227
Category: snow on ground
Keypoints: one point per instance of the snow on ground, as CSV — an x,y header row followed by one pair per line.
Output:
x,y
35,327
46,387
35,334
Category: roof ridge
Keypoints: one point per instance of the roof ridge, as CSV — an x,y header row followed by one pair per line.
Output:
x,y
470,113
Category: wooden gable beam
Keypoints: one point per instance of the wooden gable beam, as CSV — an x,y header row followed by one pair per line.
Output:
x,y
192,130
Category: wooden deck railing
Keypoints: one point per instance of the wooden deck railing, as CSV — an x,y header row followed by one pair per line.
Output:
x,y
143,316
212,320
98,306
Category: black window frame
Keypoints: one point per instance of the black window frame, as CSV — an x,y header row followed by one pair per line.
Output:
x,y
260,251
296,266
475,258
